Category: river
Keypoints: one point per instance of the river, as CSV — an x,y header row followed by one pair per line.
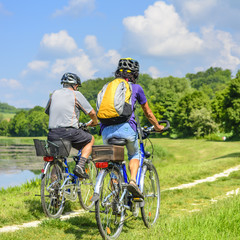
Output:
x,y
18,164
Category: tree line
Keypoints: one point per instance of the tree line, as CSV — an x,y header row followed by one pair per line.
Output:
x,y
200,104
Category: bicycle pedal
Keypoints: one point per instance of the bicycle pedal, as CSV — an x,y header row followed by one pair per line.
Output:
x,y
137,199
124,185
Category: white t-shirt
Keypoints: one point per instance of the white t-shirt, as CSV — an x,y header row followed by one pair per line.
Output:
x,y
64,108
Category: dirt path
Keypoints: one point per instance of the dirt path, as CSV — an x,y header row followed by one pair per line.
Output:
x,y
35,223
188,185
208,179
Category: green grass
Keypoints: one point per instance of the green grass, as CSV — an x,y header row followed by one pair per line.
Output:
x,y
7,116
201,212
18,140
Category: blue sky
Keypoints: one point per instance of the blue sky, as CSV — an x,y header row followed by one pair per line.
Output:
x,y
40,40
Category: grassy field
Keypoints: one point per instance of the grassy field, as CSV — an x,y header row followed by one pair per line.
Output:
x,y
7,116
208,210
18,140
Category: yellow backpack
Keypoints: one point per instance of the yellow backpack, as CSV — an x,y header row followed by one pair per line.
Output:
x,y
114,103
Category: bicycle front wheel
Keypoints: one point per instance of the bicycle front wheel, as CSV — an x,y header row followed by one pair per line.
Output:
x,y
52,198
151,191
110,213
87,186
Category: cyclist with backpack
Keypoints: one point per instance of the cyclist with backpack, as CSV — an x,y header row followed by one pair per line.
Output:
x,y
116,113
63,108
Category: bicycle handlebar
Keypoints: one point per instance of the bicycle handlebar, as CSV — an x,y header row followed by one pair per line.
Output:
x,y
152,130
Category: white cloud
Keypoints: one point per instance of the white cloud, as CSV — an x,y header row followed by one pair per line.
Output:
x,y
86,63
113,57
76,8
160,32
60,41
154,72
80,65
105,61
198,8
222,50
11,83
36,65
92,45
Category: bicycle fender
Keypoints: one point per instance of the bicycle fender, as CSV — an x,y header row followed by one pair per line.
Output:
x,y
141,184
45,168
98,181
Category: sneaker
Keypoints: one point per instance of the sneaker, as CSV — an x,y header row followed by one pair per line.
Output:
x,y
78,171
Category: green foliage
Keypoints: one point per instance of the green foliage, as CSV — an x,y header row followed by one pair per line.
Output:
x,y
210,81
29,123
4,107
193,115
1,117
227,107
202,122
163,95
4,128
197,105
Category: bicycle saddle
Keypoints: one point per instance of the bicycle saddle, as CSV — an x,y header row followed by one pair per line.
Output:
x,y
117,141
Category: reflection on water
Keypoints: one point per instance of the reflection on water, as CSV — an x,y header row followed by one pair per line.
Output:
x,y
11,178
18,164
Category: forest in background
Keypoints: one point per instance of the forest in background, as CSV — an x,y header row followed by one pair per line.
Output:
x,y
198,105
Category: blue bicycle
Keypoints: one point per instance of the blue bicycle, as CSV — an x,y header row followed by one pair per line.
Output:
x,y
112,199
58,184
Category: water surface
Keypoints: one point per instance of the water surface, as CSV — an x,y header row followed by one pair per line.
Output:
x,y
18,164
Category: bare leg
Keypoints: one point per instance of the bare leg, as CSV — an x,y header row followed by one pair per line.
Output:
x,y
87,149
132,186
133,167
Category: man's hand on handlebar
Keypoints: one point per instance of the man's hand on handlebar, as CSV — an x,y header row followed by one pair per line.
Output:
x,y
91,123
158,128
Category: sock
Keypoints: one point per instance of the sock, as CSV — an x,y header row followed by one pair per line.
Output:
x,y
82,162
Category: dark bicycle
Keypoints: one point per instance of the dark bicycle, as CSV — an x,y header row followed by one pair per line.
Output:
x,y
112,199
58,184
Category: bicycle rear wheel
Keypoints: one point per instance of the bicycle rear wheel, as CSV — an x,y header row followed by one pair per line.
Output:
x,y
87,186
52,198
110,214
151,191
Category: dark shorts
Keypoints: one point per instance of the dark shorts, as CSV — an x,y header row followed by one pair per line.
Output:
x,y
77,137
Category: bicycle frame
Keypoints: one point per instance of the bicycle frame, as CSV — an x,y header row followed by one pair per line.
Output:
x,y
66,169
122,167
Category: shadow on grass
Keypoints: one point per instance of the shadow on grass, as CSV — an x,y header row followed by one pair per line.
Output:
x,y
83,227
34,207
231,155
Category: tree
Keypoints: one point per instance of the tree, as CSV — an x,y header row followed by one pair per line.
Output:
x,y
38,122
18,125
189,108
29,123
164,94
201,122
226,107
210,81
4,128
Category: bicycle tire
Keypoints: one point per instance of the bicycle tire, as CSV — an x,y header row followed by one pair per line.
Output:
x,y
151,191
52,197
87,186
109,220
